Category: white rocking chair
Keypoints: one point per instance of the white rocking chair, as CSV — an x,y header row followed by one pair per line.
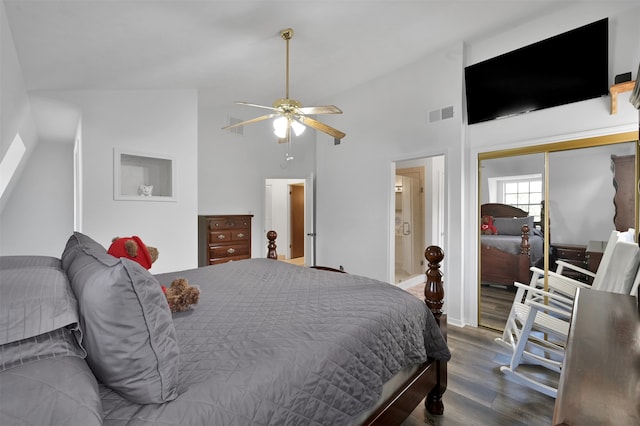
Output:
x,y
538,323
608,277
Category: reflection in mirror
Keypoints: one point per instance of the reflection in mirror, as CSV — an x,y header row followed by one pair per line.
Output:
x,y
511,195
591,191
590,194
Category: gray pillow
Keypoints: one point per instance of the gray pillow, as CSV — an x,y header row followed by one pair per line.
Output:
x,y
34,301
52,344
512,225
17,262
51,391
128,330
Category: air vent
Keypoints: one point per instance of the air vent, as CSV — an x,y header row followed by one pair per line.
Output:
x,y
441,114
237,130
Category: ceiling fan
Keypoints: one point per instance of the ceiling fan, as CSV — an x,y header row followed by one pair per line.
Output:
x,y
289,114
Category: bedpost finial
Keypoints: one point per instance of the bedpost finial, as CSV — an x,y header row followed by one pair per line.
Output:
x,y
433,289
271,236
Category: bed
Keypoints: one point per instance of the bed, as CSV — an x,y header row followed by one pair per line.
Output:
x,y
507,256
87,339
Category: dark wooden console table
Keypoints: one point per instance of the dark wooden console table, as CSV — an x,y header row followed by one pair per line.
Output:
x,y
599,383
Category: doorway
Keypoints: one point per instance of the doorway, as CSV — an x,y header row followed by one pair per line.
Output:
x,y
289,208
418,219
409,223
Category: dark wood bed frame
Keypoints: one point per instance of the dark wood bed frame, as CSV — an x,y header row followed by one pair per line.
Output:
x,y
500,267
430,381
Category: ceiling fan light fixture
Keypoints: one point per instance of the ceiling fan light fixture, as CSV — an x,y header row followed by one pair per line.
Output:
x,y
289,114
280,125
298,128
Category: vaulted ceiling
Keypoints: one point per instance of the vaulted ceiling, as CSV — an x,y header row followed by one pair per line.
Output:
x,y
232,50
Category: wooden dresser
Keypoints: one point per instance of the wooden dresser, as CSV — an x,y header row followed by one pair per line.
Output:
x,y
624,169
573,254
601,372
222,238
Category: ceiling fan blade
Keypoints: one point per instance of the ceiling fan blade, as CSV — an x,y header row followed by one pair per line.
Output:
x,y
256,105
324,109
337,134
253,120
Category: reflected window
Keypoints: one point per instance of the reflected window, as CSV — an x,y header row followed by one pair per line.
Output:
x,y
524,192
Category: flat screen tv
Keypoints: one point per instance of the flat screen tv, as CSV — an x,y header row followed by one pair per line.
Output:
x,y
566,68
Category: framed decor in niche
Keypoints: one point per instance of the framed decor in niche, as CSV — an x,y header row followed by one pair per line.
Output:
x,y
143,177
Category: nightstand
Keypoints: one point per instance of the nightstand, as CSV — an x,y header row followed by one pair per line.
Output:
x,y
573,254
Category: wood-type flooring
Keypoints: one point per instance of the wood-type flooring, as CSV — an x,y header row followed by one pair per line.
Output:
x,y
478,394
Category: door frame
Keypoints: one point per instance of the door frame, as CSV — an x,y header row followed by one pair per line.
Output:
x,y
278,202
435,196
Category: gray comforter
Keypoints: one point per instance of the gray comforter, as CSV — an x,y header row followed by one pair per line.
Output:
x,y
511,244
274,344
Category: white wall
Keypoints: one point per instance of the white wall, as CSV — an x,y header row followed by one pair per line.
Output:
x,y
150,122
15,111
386,120
39,217
232,168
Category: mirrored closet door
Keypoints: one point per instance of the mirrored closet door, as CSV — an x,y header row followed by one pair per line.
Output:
x,y
571,195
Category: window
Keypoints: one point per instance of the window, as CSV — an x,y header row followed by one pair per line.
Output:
x,y
10,162
524,192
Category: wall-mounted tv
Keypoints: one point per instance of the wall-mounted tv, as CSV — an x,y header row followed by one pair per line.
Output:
x,y
566,68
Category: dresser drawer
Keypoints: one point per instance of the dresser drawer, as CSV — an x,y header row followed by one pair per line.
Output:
x,y
564,253
220,237
227,250
228,223
226,236
240,235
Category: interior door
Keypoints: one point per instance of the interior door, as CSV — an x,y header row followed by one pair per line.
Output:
x,y
297,220
310,220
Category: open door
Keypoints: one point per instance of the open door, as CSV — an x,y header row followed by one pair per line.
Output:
x,y
296,211
310,220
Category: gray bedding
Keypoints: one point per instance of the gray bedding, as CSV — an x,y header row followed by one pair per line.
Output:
x,y
268,344
44,379
511,244
275,344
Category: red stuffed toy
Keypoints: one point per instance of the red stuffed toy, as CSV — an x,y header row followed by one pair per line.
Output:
x,y
134,249
487,227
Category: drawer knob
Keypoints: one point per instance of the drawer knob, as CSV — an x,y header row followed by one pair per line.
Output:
x,y
231,250
221,237
240,235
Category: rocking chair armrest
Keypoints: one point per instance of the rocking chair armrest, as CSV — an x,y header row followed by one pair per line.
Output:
x,y
546,308
563,264
541,293
538,280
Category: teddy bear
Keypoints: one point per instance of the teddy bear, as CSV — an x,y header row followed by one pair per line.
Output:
x,y
487,227
134,249
181,295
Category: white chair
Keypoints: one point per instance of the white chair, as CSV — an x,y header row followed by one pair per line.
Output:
x,y
538,323
607,277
